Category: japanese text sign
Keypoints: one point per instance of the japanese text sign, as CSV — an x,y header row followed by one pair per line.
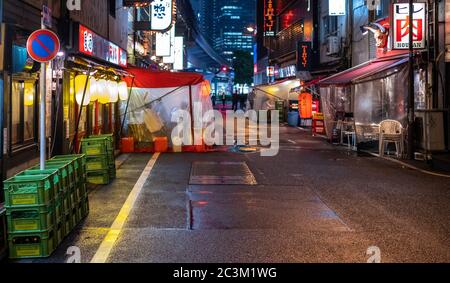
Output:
x,y
401,27
162,14
269,18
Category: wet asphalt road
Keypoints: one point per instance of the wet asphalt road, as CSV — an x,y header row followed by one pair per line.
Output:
x,y
311,203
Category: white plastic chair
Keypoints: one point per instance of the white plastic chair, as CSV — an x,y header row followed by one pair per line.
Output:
x,y
391,131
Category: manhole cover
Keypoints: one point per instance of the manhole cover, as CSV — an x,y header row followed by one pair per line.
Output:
x,y
221,173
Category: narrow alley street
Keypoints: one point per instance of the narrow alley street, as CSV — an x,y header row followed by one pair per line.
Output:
x,y
311,203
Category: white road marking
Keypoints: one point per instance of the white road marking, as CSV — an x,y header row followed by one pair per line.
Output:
x,y
103,252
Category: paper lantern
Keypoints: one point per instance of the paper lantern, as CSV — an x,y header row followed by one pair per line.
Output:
x,y
94,90
28,93
123,91
305,101
80,84
103,93
113,88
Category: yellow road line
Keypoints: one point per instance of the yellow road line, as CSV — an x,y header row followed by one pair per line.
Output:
x,y
103,252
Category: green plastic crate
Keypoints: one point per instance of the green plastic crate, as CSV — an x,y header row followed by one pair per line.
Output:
x,y
59,232
84,208
98,177
63,174
66,203
31,219
53,174
64,164
108,137
92,147
71,200
82,191
68,224
28,191
78,215
31,245
79,163
95,163
59,209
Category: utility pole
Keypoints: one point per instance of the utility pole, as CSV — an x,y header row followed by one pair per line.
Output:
x,y
411,100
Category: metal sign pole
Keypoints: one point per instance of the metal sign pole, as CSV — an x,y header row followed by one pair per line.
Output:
x,y
42,89
411,101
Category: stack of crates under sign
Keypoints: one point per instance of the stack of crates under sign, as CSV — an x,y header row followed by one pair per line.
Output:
x,y
100,160
43,206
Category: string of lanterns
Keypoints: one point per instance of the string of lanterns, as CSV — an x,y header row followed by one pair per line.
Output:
x,y
102,90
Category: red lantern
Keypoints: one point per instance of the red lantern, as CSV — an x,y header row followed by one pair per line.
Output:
x,y
305,101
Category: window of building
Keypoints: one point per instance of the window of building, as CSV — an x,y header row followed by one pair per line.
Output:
x,y
330,25
382,10
23,112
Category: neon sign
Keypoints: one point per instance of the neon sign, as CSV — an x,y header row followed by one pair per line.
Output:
x,y
269,18
96,46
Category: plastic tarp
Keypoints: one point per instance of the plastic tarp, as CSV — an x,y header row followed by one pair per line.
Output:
x,y
156,96
373,99
266,95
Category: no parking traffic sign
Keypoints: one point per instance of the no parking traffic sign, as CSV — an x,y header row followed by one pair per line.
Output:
x,y
43,45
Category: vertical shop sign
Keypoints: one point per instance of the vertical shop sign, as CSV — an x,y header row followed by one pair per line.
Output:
x,y
162,14
304,56
269,18
401,25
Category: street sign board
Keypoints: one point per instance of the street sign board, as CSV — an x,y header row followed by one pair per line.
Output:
x,y
46,16
304,56
401,27
43,45
162,14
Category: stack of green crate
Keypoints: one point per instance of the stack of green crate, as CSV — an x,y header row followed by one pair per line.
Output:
x,y
31,213
43,206
100,160
75,198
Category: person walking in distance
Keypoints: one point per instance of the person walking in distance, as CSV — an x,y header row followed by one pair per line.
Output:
x,y
213,99
224,100
235,100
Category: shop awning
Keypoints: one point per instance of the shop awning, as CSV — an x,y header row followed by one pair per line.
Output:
x,y
362,71
162,79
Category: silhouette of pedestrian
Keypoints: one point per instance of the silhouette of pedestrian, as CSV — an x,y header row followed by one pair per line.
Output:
x,y
235,100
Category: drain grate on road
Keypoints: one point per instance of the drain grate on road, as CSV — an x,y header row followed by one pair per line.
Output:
x,y
221,173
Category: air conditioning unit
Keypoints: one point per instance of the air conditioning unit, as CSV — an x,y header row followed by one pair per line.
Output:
x,y
333,45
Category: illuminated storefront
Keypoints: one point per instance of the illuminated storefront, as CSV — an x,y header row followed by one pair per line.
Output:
x,y
100,63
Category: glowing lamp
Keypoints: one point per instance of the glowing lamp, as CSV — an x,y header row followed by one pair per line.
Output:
x,y
123,91
113,88
80,84
103,93
95,90
28,94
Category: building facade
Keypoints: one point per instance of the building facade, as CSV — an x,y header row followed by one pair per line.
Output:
x,y
103,21
225,23
343,40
